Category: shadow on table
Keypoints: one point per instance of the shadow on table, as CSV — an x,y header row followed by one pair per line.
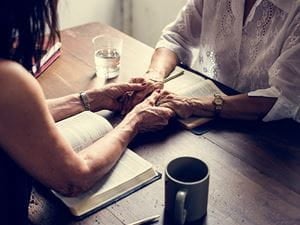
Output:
x,y
45,209
284,129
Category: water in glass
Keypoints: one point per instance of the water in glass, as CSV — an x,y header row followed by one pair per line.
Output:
x,y
107,62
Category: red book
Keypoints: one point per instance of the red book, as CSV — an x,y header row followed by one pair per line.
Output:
x,y
52,54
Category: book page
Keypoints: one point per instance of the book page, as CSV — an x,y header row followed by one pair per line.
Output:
x,y
183,82
202,88
83,129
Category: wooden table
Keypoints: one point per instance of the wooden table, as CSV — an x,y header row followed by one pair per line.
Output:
x,y
254,167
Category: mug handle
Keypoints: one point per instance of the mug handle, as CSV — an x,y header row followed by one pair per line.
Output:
x,y
180,211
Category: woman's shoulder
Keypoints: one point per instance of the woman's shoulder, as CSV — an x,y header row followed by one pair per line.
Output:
x,y
12,68
15,81
13,73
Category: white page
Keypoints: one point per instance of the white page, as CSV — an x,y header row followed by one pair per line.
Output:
x,y
83,129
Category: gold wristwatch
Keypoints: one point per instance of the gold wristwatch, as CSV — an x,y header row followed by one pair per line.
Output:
x,y
218,103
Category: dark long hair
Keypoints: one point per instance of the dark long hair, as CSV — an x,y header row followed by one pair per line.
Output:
x,y
23,24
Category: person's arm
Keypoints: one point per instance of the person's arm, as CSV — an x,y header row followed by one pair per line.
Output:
x,y
234,107
177,41
281,100
239,106
175,46
284,77
163,62
30,137
66,106
107,97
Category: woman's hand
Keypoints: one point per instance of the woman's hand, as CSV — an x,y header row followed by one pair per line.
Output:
x,y
181,105
112,96
148,116
185,107
134,98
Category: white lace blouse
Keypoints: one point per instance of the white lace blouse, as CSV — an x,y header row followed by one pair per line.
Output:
x,y
260,57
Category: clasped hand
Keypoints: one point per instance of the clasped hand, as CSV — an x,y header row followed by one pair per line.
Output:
x,y
138,99
121,97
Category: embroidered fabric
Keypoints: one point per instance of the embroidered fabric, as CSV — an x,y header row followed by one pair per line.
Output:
x,y
263,52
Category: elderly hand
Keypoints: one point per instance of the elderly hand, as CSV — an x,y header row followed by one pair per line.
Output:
x,y
148,116
133,98
111,96
181,105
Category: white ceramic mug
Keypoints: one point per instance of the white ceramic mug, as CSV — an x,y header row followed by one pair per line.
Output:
x,y
186,189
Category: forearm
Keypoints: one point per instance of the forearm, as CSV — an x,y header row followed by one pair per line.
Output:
x,y
235,107
66,106
77,173
63,107
101,156
163,62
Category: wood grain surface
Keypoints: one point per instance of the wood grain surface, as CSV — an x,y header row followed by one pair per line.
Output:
x,y
254,167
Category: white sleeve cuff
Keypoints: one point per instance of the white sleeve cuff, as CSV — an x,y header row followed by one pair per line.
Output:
x,y
269,92
283,107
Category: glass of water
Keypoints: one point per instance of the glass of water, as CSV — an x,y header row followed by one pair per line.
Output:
x,y
107,54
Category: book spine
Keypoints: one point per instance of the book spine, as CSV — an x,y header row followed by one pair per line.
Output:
x,y
53,53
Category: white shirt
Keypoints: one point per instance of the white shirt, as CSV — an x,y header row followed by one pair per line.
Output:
x,y
260,57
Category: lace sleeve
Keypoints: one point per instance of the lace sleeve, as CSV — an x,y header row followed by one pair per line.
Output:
x,y
182,35
284,75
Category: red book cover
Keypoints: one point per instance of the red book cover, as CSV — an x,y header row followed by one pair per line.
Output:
x,y
52,54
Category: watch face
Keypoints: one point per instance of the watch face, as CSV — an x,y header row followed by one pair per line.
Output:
x,y
218,101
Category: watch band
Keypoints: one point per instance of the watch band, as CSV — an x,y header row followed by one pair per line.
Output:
x,y
218,103
84,100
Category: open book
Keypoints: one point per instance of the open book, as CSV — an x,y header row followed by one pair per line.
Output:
x,y
191,85
130,173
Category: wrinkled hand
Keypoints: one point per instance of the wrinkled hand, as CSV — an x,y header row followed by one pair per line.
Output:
x,y
181,105
112,96
149,116
136,97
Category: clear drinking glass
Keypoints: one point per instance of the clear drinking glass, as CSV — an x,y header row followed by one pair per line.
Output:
x,y
107,54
